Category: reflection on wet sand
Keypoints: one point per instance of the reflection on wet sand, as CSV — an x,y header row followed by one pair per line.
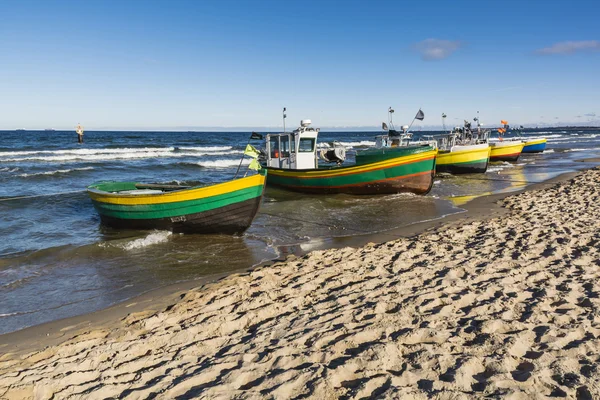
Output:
x,y
505,181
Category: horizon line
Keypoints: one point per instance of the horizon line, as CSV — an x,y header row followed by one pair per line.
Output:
x,y
217,129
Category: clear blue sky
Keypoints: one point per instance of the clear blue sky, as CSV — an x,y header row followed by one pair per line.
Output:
x,y
168,64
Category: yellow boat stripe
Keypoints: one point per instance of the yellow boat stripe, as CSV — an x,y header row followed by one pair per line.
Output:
x,y
462,156
536,141
506,150
355,169
179,195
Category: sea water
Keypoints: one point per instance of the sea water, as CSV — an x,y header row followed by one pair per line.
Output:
x,y
57,260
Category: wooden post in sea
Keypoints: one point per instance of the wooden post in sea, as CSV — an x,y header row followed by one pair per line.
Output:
x,y
79,131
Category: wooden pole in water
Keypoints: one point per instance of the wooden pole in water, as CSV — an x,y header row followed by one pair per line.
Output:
x,y
79,131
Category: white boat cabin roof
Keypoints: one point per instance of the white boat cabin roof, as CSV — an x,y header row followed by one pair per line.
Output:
x,y
293,150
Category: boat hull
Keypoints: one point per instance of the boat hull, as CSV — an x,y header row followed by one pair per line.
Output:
x,y
385,172
535,146
227,208
506,151
464,159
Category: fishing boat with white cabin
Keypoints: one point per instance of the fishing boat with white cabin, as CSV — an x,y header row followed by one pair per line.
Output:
x,y
294,162
459,152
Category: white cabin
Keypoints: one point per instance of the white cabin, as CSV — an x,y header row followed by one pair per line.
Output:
x,y
296,150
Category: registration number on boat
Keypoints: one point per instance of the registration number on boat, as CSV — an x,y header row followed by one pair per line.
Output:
x,y
178,219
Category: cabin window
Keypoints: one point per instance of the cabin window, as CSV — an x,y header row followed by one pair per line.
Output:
x,y
285,146
274,146
293,145
306,145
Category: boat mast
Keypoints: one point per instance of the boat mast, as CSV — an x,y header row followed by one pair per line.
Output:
x,y
444,122
390,115
284,119
419,116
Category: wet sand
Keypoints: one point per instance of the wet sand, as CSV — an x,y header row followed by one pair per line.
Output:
x,y
501,300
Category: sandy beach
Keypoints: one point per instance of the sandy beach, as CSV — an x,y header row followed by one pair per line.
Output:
x,y
500,306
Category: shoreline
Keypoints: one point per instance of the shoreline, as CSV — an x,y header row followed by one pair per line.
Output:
x,y
53,332
501,303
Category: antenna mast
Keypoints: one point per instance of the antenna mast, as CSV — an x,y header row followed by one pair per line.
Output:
x,y
284,116
444,122
419,114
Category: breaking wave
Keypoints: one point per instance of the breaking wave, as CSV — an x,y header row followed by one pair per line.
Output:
x,y
152,239
362,143
95,155
59,171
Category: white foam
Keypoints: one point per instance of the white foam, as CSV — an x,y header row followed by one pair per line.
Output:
x,y
96,155
549,136
113,156
151,239
569,139
223,163
8,314
548,151
356,144
8,169
498,168
208,148
59,171
588,149
87,151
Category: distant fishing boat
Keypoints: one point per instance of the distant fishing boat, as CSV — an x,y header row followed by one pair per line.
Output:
x,y
537,145
459,152
531,145
463,159
292,160
226,208
505,150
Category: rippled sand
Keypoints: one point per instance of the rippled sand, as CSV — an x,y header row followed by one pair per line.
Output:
x,y
500,307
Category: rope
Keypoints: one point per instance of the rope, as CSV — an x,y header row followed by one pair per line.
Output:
x,y
40,195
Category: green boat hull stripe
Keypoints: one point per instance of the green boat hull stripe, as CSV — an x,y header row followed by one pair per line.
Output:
x,y
481,161
176,209
398,171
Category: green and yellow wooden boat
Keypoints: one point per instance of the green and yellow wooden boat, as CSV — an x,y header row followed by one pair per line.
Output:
x,y
227,208
508,150
459,151
463,159
293,163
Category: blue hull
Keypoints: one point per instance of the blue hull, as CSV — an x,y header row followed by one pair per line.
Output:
x,y
534,148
